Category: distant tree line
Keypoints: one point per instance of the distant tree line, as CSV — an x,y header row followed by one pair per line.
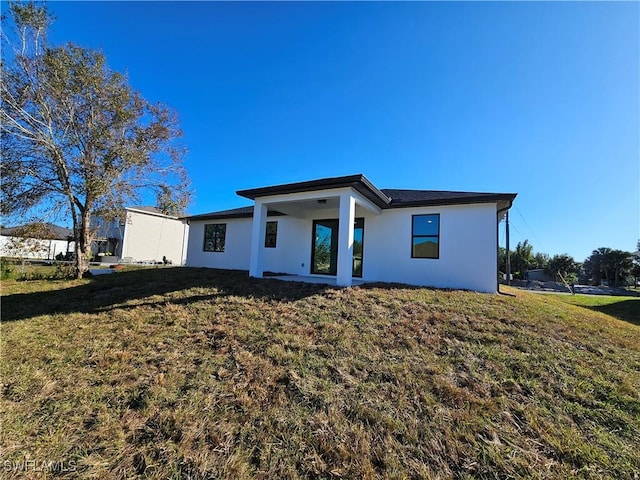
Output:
x,y
604,265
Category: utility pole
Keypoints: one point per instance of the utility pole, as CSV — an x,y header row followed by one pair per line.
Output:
x,y
508,252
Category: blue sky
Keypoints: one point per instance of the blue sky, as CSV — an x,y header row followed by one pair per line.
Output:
x,y
539,98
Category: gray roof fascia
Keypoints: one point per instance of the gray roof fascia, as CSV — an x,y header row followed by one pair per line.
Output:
x,y
499,198
359,182
244,212
150,211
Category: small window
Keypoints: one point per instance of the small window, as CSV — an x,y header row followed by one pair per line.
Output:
x,y
214,237
271,235
425,233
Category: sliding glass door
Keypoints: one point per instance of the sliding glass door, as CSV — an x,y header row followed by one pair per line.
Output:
x,y
358,239
324,254
324,249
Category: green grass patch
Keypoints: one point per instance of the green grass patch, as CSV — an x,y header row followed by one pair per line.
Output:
x,y
622,308
198,373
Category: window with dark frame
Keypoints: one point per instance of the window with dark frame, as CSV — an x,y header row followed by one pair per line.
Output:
x,y
425,236
271,235
214,237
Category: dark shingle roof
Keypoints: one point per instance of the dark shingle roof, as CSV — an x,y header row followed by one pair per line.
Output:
x,y
358,182
408,198
150,210
48,231
242,212
147,209
383,198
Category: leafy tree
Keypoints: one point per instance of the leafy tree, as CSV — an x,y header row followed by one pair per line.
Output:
x,y
75,138
635,272
563,265
522,259
622,263
610,265
540,260
502,259
635,269
596,265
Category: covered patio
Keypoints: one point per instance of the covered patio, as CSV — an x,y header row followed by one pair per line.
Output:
x,y
335,199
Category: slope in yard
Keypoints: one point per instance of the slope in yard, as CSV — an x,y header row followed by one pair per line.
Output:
x,y
623,308
196,373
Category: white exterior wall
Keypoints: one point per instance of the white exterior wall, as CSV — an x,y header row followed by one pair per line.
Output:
x,y
293,247
150,237
33,247
237,246
468,256
291,254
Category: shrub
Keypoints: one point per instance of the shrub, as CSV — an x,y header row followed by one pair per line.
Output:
x,y
6,270
65,271
62,271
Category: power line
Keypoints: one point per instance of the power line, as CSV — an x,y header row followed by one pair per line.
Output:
x,y
515,228
504,230
512,226
530,229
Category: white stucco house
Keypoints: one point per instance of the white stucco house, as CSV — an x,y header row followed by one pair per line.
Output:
x,y
345,230
42,241
142,234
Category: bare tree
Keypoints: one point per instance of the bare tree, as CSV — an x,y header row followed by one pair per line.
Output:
x,y
75,137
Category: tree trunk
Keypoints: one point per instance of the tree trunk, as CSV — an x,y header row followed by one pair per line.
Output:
x,y
83,245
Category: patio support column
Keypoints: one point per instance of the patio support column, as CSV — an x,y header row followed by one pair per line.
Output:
x,y
347,218
257,239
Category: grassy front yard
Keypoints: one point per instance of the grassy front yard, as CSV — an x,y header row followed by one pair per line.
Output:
x,y
623,308
196,373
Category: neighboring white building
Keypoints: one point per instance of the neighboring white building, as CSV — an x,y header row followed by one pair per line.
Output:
x,y
143,234
418,237
42,241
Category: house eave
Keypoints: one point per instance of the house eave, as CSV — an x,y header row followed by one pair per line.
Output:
x,y
148,212
359,182
499,199
226,216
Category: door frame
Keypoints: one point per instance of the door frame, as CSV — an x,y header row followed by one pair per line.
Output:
x,y
333,247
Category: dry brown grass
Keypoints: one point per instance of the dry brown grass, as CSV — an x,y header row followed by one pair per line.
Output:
x,y
195,373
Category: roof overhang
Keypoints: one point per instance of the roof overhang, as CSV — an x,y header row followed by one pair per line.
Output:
x,y
502,200
505,201
292,198
245,212
359,183
150,212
